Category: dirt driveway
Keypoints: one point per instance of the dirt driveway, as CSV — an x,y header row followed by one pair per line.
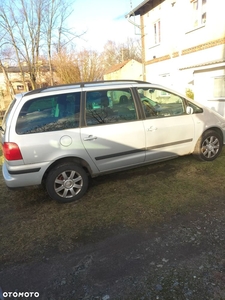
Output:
x,y
181,259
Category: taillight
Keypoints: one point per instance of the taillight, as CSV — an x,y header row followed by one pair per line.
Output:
x,y
11,151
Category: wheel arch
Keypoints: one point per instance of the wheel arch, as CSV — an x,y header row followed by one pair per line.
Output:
x,y
68,159
218,130
213,150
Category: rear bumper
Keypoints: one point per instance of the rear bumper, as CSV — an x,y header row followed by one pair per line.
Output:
x,y
21,178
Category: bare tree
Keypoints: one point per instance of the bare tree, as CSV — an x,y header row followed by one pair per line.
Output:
x,y
9,87
131,49
33,28
57,34
7,25
91,65
36,29
116,53
22,21
66,68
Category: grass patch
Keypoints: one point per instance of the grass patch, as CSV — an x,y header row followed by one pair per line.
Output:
x,y
34,225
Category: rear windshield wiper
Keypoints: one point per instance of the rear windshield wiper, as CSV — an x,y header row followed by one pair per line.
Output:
x,y
1,129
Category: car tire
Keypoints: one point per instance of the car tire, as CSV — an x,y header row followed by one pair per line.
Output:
x,y
67,182
208,146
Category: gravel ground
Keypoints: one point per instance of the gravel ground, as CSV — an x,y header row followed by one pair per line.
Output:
x,y
181,259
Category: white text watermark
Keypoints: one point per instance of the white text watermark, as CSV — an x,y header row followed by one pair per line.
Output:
x,y
20,294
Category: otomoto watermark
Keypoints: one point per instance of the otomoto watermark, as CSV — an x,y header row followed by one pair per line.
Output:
x,y
20,295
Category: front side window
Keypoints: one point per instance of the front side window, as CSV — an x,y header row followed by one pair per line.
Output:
x,y
109,106
198,12
49,113
159,103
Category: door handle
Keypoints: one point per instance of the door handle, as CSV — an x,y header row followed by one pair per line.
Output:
x,y
152,128
90,138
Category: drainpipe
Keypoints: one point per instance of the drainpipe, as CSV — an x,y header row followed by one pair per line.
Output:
x,y
143,48
140,27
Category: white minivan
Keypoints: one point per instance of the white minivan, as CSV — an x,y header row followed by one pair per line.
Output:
x,y
60,136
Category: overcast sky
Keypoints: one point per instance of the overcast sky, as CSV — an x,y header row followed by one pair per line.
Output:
x,y
103,20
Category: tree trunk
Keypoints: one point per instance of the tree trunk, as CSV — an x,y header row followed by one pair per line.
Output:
x,y
8,83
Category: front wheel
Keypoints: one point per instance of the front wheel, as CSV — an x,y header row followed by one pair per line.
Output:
x,y
208,146
67,182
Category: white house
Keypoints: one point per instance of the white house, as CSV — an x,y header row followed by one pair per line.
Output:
x,y
12,76
129,69
183,46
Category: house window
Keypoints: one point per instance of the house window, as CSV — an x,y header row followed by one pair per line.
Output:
x,y
20,87
219,87
157,32
198,12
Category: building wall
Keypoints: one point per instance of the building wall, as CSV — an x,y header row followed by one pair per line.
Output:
x,y
17,84
177,31
132,70
210,87
173,57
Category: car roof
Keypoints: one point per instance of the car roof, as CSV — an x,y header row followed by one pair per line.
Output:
x,y
58,88
95,84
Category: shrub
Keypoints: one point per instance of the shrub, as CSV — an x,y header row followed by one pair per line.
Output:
x,y
190,93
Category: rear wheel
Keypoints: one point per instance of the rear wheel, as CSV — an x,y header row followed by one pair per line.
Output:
x,y
67,182
208,146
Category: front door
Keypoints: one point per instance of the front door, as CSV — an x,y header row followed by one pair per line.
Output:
x,y
169,129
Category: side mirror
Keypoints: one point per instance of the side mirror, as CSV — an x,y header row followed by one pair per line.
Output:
x,y
189,110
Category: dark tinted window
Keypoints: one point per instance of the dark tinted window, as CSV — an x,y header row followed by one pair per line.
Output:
x,y
159,103
110,106
49,114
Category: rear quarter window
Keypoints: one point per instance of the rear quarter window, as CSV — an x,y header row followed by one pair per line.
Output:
x,y
49,113
7,113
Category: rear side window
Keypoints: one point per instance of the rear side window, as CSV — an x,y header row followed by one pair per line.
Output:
x,y
50,113
110,106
